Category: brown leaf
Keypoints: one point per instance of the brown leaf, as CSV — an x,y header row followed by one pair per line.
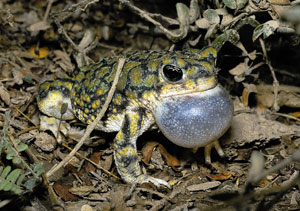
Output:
x,y
108,161
245,97
170,159
104,161
147,151
63,192
296,114
82,190
219,177
225,175
95,157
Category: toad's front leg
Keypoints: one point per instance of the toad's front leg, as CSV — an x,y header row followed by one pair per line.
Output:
x,y
125,151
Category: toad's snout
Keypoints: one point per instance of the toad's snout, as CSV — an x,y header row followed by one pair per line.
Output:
x,y
195,120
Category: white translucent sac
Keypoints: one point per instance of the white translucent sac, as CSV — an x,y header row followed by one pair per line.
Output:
x,y
194,120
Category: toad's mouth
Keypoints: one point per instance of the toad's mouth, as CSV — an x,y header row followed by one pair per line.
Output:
x,y
177,91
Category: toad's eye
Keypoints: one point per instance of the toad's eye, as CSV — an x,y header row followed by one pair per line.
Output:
x,y
172,73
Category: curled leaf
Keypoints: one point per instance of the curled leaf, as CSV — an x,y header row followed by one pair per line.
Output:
x,y
230,35
212,16
230,4
194,12
265,29
182,13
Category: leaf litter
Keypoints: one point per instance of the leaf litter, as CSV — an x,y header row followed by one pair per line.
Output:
x,y
33,50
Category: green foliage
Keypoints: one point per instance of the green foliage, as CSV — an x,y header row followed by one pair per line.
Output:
x,y
223,20
235,4
14,179
11,180
230,35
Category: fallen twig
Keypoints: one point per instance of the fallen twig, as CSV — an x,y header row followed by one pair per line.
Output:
x,y
275,81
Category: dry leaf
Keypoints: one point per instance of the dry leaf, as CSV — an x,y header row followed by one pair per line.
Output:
x,y
224,175
219,176
147,151
157,161
252,55
291,100
249,128
287,95
63,60
45,142
296,114
82,190
170,159
4,95
280,2
239,69
63,192
41,25
86,207
28,18
279,6
108,161
226,19
18,76
249,88
203,23
203,186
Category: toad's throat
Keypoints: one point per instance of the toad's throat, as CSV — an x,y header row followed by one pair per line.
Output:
x,y
194,120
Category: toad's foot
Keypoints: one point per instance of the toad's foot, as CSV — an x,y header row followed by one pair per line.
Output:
x,y
125,152
129,169
207,150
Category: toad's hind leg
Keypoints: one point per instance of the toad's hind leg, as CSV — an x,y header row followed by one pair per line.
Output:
x,y
207,150
125,151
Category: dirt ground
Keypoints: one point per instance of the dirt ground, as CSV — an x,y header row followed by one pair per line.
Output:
x,y
42,40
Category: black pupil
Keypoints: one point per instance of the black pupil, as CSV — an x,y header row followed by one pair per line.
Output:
x,y
172,73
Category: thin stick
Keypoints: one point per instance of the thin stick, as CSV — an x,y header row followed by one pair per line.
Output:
x,y
50,2
275,81
27,130
92,162
15,107
91,127
287,116
148,17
